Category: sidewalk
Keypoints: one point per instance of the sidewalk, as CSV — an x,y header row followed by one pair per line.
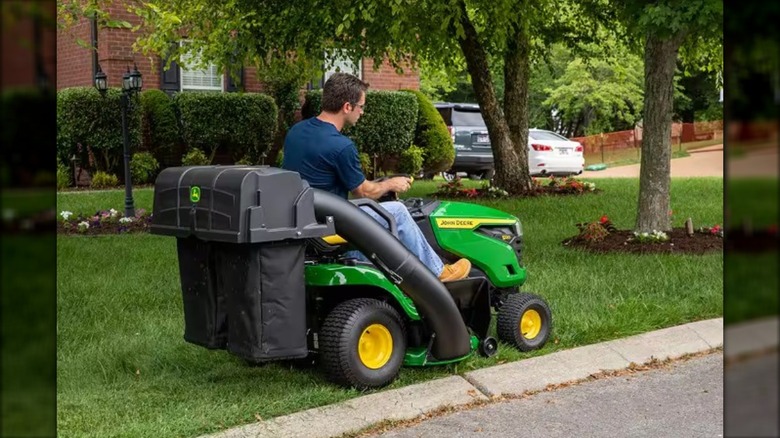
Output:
x,y
494,383
702,162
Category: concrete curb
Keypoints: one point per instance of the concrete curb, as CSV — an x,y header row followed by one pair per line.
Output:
x,y
512,378
752,337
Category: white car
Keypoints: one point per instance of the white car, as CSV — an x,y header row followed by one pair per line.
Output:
x,y
553,154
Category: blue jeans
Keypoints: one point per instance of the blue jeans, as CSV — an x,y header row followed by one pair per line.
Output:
x,y
408,233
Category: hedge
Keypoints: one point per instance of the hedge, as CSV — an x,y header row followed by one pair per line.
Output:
x,y
386,126
159,125
86,117
240,123
432,136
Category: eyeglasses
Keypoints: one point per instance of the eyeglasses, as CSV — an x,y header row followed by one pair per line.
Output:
x,y
358,105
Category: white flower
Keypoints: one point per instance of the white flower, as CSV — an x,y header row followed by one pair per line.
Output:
x,y
83,225
125,220
66,214
113,213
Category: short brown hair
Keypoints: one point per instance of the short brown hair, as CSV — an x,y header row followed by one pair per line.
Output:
x,y
341,88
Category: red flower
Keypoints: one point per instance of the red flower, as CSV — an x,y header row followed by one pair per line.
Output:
x,y
604,219
715,229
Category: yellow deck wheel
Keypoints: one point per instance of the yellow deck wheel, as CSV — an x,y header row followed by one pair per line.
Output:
x,y
530,324
375,346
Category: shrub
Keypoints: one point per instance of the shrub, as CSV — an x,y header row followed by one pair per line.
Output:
x,y
63,176
411,161
244,123
195,157
432,136
159,125
592,232
85,116
245,161
385,128
143,167
103,180
366,164
653,237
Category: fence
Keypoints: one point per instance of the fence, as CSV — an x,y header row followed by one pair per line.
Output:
x,y
627,145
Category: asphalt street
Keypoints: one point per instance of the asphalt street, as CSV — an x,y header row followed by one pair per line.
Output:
x,y
751,397
681,399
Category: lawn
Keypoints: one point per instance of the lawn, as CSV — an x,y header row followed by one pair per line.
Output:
x,y
124,369
751,279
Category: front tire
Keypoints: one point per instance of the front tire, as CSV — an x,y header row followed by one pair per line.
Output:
x,y
362,344
524,321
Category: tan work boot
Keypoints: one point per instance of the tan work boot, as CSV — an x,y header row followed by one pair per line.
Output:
x,y
456,271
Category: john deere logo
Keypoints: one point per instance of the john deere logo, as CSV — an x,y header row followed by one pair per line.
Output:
x,y
195,194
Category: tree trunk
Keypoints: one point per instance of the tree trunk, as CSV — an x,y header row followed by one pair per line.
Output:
x,y
517,74
655,167
505,157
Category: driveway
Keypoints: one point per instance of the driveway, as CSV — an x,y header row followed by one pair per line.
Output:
x,y
702,162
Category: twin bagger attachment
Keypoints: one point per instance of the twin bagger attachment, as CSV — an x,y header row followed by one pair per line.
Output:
x,y
241,237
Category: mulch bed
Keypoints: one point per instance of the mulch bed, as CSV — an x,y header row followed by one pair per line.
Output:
x,y
679,243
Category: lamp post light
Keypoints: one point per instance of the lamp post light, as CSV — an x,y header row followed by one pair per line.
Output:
x,y
132,83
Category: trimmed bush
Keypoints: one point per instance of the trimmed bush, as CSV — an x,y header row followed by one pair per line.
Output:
x,y
159,125
386,126
240,123
195,157
103,180
63,176
86,117
411,161
143,167
366,164
432,136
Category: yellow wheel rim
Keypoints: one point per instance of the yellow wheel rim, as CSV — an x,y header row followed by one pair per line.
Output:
x,y
530,324
375,346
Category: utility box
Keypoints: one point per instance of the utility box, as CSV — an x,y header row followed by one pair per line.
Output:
x,y
241,234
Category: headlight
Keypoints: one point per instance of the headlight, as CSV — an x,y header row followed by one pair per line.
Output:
x,y
518,229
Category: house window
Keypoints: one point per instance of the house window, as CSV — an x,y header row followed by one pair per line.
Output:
x,y
207,79
336,61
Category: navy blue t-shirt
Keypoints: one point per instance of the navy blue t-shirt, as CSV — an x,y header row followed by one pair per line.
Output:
x,y
323,156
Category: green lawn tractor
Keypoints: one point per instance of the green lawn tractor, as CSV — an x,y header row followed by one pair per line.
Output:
x,y
265,275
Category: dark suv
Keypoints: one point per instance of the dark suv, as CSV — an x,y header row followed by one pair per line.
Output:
x,y
473,154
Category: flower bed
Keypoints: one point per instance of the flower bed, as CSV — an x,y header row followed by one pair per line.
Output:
x,y
103,222
542,186
602,236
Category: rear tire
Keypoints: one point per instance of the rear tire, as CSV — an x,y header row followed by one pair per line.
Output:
x,y
362,344
524,321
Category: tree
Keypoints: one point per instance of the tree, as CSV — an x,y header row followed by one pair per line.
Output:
x,y
474,33
667,29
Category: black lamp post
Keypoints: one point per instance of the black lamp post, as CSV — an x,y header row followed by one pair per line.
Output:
x,y
131,84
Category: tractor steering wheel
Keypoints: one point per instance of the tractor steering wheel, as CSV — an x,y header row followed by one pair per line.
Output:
x,y
391,196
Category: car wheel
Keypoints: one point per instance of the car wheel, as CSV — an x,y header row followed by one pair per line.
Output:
x,y
362,344
448,176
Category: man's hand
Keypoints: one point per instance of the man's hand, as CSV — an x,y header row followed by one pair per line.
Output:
x,y
375,190
399,184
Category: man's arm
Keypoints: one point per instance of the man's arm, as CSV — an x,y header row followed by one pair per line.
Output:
x,y
375,190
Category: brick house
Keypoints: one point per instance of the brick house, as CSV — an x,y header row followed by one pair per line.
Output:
x,y
76,65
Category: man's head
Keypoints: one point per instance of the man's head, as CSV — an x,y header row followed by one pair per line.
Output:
x,y
344,95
